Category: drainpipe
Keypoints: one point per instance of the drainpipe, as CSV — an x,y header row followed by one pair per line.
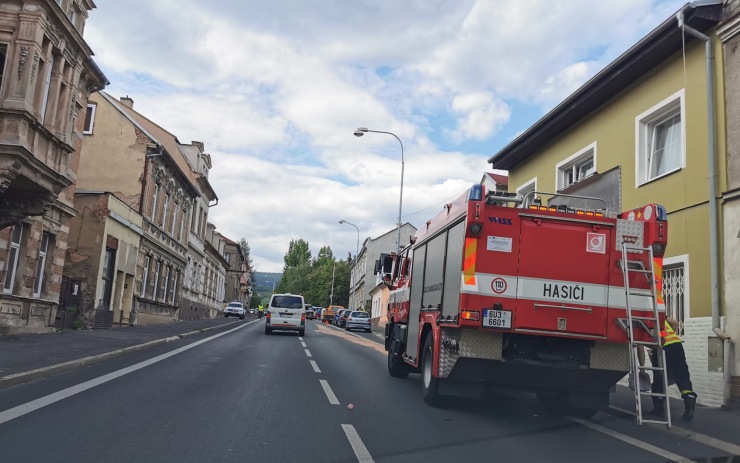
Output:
x,y
713,221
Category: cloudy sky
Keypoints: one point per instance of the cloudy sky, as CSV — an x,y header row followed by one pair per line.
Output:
x,y
276,88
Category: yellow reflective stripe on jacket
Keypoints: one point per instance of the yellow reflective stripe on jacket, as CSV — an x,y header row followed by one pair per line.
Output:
x,y
670,336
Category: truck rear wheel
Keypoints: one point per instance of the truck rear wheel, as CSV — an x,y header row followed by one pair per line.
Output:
x,y
429,384
396,366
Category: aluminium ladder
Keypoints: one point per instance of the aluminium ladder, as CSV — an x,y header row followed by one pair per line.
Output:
x,y
631,267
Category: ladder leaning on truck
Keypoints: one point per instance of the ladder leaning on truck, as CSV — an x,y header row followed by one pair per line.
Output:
x,y
551,298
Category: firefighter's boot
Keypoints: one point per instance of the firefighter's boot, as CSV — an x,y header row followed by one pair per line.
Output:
x,y
689,401
658,408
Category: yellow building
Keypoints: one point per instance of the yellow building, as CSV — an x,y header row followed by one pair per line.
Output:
x,y
638,133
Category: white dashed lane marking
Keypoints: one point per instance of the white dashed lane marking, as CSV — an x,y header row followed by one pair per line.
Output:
x,y
361,452
329,393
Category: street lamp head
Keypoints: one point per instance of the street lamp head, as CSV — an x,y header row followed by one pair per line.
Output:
x,y
341,221
360,131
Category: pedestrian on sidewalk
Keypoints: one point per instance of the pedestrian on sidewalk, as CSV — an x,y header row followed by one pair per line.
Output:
x,y
676,368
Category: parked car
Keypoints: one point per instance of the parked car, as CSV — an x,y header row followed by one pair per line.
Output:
x,y
343,318
358,320
286,312
310,312
253,310
337,316
235,309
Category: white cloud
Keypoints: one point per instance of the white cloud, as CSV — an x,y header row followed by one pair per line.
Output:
x,y
275,90
479,115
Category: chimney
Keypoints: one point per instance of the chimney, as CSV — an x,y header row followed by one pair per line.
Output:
x,y
127,101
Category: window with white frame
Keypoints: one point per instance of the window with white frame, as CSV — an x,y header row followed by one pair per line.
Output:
x,y
676,288
11,265
41,264
166,207
154,202
157,268
3,59
145,276
660,143
182,223
576,167
166,285
174,219
174,287
526,188
89,119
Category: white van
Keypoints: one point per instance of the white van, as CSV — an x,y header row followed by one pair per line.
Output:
x,y
286,312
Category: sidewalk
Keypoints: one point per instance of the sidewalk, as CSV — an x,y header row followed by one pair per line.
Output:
x,y
26,357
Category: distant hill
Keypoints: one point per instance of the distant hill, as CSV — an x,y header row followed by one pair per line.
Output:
x,y
263,280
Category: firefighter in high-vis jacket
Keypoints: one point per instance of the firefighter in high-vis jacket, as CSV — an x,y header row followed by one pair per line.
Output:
x,y
676,367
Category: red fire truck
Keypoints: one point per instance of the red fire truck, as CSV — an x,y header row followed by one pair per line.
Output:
x,y
529,297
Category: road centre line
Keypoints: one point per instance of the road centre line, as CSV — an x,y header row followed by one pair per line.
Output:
x,y
329,393
308,353
303,344
361,452
28,407
315,366
633,441
704,439
300,338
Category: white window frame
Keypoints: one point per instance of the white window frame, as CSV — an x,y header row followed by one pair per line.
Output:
x,y
682,260
182,223
174,219
41,264
644,126
157,267
145,277
166,283
12,267
174,287
525,187
572,163
154,202
167,198
47,87
88,130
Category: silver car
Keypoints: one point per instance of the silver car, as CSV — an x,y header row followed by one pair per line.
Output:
x,y
358,320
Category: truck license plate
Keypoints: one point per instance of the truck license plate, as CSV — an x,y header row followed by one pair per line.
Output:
x,y
496,318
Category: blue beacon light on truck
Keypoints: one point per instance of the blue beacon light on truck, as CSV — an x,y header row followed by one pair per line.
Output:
x,y
476,193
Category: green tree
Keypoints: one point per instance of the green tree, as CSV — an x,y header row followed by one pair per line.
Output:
x,y
246,250
298,254
325,257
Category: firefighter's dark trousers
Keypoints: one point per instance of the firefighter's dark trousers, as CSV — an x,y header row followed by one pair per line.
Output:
x,y
675,359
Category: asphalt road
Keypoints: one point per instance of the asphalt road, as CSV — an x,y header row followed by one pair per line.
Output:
x,y
243,396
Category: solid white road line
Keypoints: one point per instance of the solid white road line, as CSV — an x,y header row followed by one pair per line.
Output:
x,y
308,353
315,367
710,441
34,405
363,456
329,393
670,456
303,344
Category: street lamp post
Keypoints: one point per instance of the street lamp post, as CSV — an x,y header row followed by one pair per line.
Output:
x,y
362,131
357,255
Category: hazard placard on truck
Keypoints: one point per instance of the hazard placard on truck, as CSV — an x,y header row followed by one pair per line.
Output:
x,y
530,296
